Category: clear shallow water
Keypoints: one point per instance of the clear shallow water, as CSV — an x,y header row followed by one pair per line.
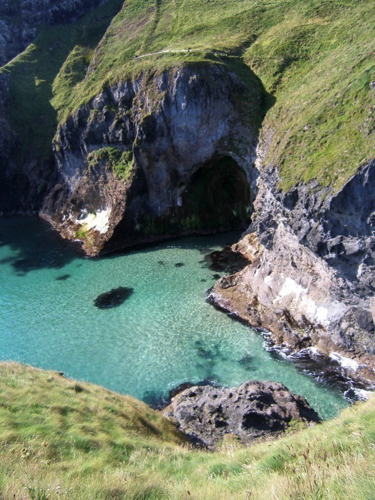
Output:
x,y
163,335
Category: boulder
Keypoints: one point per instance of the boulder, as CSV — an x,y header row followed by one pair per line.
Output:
x,y
252,410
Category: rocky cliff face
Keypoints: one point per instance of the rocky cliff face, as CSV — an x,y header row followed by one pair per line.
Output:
x,y
176,152
311,277
19,20
155,157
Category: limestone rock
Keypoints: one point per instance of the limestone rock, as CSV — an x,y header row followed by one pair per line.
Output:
x,y
310,281
183,167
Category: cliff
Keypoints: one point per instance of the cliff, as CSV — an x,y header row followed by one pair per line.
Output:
x,y
146,120
153,158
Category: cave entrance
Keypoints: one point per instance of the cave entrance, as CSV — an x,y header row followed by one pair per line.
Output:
x,y
217,197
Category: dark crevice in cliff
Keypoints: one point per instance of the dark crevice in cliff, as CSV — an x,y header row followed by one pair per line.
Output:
x,y
216,198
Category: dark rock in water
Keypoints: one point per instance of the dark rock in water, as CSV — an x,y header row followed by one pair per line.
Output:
x,y
113,298
179,264
216,276
226,260
203,280
64,277
246,362
161,402
252,410
161,262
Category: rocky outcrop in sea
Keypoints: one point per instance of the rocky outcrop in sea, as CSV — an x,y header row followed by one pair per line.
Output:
x,y
310,278
153,158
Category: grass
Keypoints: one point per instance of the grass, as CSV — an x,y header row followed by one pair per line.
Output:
x,y
319,62
314,58
120,163
61,438
60,53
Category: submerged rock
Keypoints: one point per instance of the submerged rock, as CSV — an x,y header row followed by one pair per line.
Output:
x,y
113,298
229,260
63,277
252,410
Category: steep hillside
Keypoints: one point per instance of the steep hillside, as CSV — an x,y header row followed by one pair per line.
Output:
x,y
26,113
314,57
61,438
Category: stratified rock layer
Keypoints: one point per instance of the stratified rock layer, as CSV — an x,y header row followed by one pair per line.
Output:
x,y
310,280
250,411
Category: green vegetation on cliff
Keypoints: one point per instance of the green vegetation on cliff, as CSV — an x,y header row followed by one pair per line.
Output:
x,y
121,163
64,51
65,439
315,57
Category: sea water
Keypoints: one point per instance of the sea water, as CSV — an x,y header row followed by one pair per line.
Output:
x,y
163,335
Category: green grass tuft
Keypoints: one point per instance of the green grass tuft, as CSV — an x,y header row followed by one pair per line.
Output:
x,y
120,163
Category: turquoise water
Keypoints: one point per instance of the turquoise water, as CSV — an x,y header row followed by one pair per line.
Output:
x,y
164,334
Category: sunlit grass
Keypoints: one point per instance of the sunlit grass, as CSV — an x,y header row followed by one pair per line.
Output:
x,y
315,57
61,438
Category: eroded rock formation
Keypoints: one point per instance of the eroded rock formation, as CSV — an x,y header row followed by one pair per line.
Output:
x,y
153,158
310,281
175,152
252,410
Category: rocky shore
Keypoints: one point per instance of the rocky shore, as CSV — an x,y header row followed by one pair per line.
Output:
x,y
310,302
253,410
184,149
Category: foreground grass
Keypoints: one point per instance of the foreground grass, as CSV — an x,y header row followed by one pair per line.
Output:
x,y
60,438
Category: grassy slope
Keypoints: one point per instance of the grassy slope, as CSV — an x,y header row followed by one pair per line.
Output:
x,y
33,72
316,57
319,61
60,438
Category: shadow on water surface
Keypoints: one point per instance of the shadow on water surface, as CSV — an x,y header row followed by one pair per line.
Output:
x,y
193,242
34,245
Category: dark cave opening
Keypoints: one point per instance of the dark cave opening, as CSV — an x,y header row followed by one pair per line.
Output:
x,y
217,197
